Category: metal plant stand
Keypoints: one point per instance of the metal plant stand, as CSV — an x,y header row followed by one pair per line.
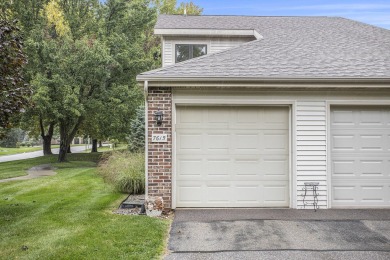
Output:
x,y
310,189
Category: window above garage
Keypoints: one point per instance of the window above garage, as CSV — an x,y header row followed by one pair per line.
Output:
x,y
188,51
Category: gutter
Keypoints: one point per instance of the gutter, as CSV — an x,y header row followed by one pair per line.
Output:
x,y
146,87
264,82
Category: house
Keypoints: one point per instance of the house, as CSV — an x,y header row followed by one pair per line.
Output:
x,y
255,107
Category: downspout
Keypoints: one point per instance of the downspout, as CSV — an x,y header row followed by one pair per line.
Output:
x,y
146,90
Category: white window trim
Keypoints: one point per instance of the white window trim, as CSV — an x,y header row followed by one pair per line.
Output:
x,y
190,44
189,41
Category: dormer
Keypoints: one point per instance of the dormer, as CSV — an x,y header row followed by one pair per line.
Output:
x,y
181,41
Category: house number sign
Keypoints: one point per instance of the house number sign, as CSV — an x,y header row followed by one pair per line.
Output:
x,y
159,138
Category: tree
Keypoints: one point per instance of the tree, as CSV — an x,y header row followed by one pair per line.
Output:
x,y
170,7
189,8
136,138
84,57
111,112
12,138
15,92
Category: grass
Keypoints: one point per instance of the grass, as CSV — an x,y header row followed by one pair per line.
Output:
x,y
19,168
107,148
68,216
10,151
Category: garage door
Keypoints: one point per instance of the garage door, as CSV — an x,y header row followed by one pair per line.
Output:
x,y
232,157
360,154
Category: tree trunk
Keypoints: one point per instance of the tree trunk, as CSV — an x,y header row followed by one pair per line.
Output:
x,y
68,131
94,146
47,145
46,138
62,153
100,144
69,151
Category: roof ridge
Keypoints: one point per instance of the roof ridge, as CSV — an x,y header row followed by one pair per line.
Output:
x,y
260,16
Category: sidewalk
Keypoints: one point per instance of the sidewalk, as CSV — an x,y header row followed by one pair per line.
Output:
x,y
22,156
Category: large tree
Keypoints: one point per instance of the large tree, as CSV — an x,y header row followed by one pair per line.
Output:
x,y
172,7
84,57
15,92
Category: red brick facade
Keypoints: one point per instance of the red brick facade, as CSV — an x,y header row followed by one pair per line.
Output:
x,y
160,154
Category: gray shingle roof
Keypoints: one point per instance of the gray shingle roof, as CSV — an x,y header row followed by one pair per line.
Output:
x,y
292,47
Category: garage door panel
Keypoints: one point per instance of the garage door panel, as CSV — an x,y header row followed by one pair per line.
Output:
x,y
352,167
356,141
247,143
217,142
276,167
238,160
190,116
217,169
190,142
190,168
355,194
227,194
248,193
235,168
276,140
360,156
190,192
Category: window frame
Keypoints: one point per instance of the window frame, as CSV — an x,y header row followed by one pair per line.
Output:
x,y
191,51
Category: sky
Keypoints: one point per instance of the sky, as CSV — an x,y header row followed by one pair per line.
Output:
x,y
375,12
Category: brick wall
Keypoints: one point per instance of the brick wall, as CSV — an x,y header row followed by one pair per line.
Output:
x,y
160,154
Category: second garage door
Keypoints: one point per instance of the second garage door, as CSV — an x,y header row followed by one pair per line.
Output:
x,y
360,154
232,157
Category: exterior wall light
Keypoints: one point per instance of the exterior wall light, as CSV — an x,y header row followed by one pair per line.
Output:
x,y
158,116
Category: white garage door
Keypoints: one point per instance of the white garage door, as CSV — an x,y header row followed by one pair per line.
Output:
x,y
232,157
360,154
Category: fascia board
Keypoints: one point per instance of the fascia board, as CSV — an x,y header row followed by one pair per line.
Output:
x,y
208,32
268,82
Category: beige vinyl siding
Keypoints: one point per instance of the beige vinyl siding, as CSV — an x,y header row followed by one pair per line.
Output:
x,y
221,44
311,149
214,44
168,53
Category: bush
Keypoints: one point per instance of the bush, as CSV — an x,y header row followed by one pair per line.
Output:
x,y
12,137
136,138
124,171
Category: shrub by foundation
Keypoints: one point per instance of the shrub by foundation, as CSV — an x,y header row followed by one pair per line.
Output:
x,y
125,171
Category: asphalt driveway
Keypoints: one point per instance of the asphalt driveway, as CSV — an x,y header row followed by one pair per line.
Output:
x,y
280,234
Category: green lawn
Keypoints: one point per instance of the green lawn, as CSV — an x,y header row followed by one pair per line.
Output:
x,y
19,168
68,216
107,148
9,151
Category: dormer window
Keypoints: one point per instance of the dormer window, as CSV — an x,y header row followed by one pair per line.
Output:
x,y
189,51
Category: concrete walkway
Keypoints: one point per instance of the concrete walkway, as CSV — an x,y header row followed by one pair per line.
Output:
x,y
280,234
22,156
35,172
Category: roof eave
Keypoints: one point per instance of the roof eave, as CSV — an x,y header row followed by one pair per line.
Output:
x,y
256,81
208,32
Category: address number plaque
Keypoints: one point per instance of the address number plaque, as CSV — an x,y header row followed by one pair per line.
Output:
x,y
159,138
